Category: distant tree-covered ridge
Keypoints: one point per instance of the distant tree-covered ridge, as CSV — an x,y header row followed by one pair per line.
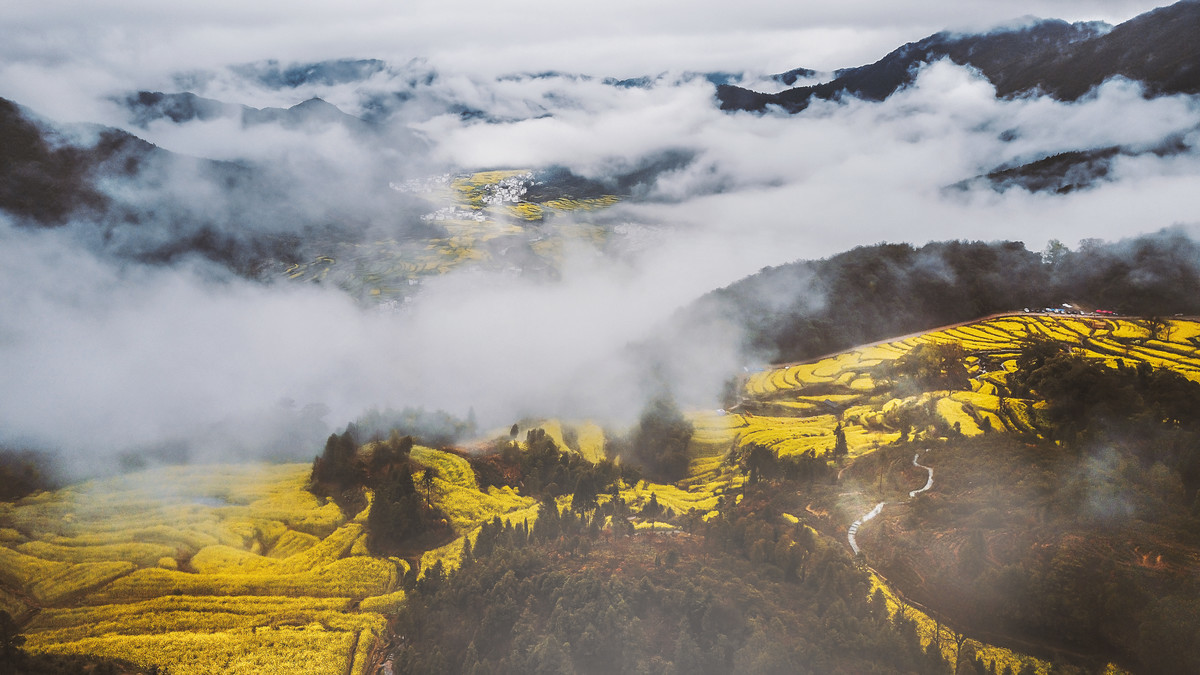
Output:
x,y
806,309
23,472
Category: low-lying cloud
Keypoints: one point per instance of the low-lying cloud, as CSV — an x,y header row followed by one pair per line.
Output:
x,y
101,357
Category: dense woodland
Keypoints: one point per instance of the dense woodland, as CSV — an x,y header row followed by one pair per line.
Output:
x,y
23,472
567,597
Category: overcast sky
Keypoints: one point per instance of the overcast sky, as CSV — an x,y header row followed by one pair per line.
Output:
x,y
617,38
101,353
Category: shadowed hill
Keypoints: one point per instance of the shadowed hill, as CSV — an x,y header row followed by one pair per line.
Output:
x,y
808,308
1053,57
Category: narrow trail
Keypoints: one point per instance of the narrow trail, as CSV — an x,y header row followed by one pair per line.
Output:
x,y
858,523
850,534
928,483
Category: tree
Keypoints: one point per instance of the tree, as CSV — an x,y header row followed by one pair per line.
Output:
x,y
661,439
12,656
398,514
840,448
1159,328
427,479
395,450
959,639
584,496
759,460
652,509
1055,253
940,365
336,465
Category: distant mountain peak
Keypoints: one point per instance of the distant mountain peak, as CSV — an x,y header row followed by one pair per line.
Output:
x,y
327,73
1048,56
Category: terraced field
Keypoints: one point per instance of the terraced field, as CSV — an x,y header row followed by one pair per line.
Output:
x,y
213,569
484,219
796,407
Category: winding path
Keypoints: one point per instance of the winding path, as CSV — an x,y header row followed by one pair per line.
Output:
x,y
858,523
928,483
879,507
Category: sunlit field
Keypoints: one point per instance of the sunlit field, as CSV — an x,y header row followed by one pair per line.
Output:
x,y
796,407
214,569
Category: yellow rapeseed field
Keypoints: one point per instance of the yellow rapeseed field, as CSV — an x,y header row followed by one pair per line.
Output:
x,y
796,406
201,569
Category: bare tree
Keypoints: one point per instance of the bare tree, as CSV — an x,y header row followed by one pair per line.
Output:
x,y
959,639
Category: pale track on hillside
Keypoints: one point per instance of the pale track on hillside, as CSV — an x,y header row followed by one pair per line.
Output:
x,y
854,527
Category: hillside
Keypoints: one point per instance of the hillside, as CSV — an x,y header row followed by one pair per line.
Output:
x,y
1062,476
187,568
1049,57
564,343
804,309
147,204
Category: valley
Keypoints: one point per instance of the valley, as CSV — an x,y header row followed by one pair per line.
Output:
x,y
576,339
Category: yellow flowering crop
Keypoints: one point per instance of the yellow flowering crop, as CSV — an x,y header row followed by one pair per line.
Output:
x,y
140,554
309,649
789,419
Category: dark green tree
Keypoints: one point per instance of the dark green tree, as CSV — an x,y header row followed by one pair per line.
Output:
x,y
660,442
12,656
427,479
840,448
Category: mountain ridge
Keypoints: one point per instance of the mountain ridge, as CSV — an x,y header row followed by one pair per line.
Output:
x,y
1050,57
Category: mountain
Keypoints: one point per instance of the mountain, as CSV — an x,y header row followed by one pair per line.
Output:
x,y
49,175
146,203
790,77
1052,57
326,73
1068,171
808,308
180,108
150,106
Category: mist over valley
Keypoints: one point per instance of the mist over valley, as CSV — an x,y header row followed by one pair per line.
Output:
x,y
674,300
